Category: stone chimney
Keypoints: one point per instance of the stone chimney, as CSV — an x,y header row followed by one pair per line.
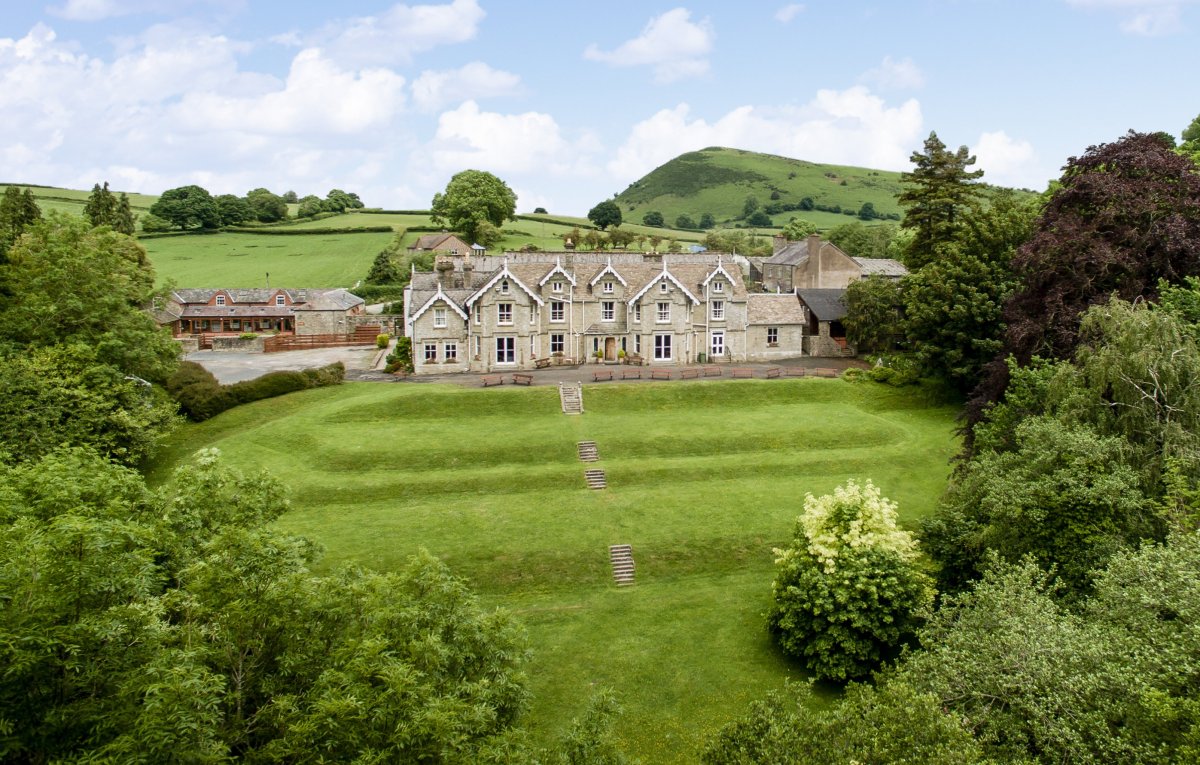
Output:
x,y
445,270
814,245
778,242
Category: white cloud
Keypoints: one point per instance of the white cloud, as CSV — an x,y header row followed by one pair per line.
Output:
x,y
503,143
895,75
672,44
433,90
1008,162
98,10
1146,18
788,12
399,32
853,127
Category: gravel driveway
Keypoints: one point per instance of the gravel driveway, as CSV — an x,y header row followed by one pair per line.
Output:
x,y
235,367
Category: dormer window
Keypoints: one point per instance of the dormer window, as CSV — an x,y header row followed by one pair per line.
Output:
x,y
608,287
662,286
220,300
504,287
279,300
718,286
556,286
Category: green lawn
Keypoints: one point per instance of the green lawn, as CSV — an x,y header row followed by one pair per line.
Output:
x,y
705,478
243,260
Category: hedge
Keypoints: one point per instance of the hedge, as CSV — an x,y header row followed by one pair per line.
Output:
x,y
200,396
558,221
378,293
310,231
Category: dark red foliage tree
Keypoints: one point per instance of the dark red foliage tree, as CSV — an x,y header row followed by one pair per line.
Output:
x,y
1126,214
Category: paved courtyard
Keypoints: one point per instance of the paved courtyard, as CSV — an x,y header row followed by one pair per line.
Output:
x,y
235,367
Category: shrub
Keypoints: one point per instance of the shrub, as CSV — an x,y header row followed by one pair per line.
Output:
x,y
248,336
400,359
382,340
200,396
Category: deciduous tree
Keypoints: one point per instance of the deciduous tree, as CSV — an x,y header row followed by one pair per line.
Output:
x,y
233,210
799,228
187,207
266,206
470,197
653,218
605,214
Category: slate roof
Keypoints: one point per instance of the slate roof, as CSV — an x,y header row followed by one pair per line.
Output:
x,y
881,267
826,305
255,295
793,254
236,311
774,309
434,242
330,300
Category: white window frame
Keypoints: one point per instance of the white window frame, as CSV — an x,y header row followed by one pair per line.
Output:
x,y
637,344
608,288
556,286
506,346
608,310
718,310
430,353
718,286
504,287
772,336
558,311
280,300
220,300
558,342
477,344
637,312
662,313
716,344
662,347
478,313
662,286
504,310
439,318
450,351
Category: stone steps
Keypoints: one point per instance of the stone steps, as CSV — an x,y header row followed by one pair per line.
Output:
x,y
588,451
621,558
571,398
595,479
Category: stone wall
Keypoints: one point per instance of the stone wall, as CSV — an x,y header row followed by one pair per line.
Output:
x,y
234,344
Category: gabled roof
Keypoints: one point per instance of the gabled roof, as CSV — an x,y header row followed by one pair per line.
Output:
x,y
330,300
665,274
558,269
826,305
881,267
608,269
793,254
767,308
504,273
720,269
439,295
434,241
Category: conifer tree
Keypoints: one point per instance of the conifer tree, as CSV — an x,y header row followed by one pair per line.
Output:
x,y
101,207
937,195
124,221
17,211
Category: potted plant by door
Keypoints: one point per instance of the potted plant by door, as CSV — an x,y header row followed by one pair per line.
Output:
x,y
599,356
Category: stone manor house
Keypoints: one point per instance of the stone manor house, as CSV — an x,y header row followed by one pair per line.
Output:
x,y
484,313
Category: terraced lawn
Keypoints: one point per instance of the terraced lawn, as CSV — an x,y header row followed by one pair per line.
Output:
x,y
704,479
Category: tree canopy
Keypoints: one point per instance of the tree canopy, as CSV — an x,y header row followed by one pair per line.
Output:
x,y
471,197
605,214
938,193
187,207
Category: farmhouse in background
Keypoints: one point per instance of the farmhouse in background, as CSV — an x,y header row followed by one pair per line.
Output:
x,y
202,314
448,243
825,309
815,264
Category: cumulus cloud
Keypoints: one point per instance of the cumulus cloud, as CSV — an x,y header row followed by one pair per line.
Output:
x,y
433,90
398,33
1147,18
788,12
1008,162
672,44
468,137
852,126
895,75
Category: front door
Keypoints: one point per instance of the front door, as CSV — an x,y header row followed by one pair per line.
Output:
x,y
717,347
610,349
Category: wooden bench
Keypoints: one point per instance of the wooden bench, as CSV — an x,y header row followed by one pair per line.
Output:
x,y
660,374
712,371
825,372
541,363
492,380
631,374
598,376
794,371
772,373
741,373
689,374
522,379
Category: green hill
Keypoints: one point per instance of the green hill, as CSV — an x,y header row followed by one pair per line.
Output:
x,y
718,181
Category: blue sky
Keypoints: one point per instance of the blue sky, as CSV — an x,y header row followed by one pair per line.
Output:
x,y
568,102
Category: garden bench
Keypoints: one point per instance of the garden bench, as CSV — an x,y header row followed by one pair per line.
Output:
x,y
741,373
825,372
631,374
660,374
541,363
712,371
772,373
598,376
522,379
689,374
794,371
634,360
492,380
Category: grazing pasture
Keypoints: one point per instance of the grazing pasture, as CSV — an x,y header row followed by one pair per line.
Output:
x,y
704,480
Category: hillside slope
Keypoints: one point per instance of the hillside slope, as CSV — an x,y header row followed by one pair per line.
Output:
x,y
718,180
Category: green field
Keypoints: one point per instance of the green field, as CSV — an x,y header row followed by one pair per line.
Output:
x,y
704,479
243,260
718,180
